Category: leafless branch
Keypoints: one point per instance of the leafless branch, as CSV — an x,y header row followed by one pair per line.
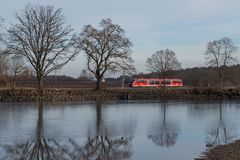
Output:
x,y
219,54
106,49
163,61
41,37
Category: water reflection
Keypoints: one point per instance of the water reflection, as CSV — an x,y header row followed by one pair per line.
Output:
x,y
101,148
39,148
98,147
115,127
115,130
164,133
220,132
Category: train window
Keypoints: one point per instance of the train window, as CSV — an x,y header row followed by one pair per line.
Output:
x,y
141,81
167,82
151,82
154,82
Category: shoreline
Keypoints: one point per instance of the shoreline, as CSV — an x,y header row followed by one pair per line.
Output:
x,y
229,151
113,94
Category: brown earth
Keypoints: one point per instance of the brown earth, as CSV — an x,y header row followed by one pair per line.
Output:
x,y
86,94
223,152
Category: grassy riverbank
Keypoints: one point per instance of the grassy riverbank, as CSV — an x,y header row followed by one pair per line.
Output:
x,y
74,95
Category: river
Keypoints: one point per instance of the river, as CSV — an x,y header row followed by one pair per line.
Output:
x,y
120,130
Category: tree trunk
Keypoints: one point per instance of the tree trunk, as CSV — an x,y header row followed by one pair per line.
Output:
x,y
164,79
98,84
14,81
14,84
98,76
164,82
164,85
220,80
40,86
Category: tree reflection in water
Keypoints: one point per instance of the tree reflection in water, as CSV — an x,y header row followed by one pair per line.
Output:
x,y
38,149
164,133
101,146
220,133
97,147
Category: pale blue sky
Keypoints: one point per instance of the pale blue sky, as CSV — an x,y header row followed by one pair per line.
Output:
x,y
184,26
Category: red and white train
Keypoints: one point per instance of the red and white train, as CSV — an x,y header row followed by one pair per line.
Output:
x,y
156,82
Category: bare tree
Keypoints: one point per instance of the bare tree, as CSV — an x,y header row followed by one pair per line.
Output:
x,y
3,65
1,38
3,70
1,26
106,49
163,61
3,58
42,38
219,54
16,66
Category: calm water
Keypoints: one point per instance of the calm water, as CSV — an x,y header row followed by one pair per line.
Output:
x,y
139,130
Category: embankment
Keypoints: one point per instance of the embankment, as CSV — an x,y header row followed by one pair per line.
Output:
x,y
223,152
74,95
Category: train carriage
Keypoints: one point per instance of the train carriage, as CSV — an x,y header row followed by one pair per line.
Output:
x,y
156,82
